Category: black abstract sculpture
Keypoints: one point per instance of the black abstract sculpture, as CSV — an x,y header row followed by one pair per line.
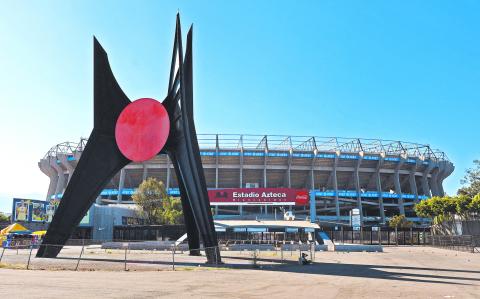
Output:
x,y
126,131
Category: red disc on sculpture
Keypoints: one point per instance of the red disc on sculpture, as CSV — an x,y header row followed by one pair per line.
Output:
x,y
142,129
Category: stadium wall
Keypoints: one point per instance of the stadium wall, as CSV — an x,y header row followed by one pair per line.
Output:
x,y
379,177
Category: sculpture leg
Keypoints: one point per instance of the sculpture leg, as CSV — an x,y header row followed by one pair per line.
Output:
x,y
197,199
192,230
100,161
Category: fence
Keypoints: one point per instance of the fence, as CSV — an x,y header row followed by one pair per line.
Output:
x,y
380,235
466,243
124,258
148,232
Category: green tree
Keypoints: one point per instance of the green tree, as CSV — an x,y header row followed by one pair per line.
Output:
x,y
471,181
399,221
4,218
171,212
424,209
474,206
149,197
443,206
442,211
156,206
463,206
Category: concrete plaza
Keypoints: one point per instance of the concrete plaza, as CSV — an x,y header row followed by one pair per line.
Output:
x,y
408,272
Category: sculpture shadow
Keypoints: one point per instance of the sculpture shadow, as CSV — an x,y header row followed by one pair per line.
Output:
x,y
387,272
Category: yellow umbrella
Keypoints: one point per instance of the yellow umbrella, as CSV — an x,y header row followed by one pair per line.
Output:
x,y
39,233
15,227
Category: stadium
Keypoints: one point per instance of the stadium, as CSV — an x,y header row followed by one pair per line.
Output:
x,y
380,178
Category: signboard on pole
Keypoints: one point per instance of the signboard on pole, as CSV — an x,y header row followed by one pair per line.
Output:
x,y
355,219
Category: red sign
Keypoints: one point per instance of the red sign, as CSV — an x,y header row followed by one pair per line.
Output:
x,y
259,196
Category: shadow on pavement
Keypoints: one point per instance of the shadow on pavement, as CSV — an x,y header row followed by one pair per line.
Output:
x,y
333,269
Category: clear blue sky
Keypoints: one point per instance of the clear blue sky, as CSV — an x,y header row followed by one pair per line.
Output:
x,y
403,70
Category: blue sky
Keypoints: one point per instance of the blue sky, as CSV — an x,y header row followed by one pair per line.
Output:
x,y
402,70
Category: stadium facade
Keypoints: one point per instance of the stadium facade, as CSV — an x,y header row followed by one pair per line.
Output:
x,y
316,178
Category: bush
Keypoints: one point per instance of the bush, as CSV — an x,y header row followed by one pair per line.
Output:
x,y
4,218
399,221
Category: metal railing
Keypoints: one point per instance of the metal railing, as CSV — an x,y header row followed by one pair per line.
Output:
x,y
466,243
66,148
124,258
385,236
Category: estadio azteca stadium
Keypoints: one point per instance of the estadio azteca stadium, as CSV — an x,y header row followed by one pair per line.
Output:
x,y
317,178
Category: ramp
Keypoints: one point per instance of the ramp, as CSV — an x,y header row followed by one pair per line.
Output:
x,y
326,240
181,239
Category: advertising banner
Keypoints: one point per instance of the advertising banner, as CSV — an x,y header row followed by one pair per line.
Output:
x,y
355,219
31,210
259,196
38,211
50,211
21,210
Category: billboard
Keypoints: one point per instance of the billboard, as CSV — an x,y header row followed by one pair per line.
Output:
x,y
38,211
28,210
50,211
31,210
258,196
21,210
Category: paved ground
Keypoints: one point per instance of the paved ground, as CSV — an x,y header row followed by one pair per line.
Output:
x,y
408,272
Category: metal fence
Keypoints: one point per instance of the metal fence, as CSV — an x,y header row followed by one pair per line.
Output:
x,y
124,258
466,243
380,236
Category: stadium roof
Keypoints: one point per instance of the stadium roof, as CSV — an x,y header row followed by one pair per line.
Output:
x,y
292,143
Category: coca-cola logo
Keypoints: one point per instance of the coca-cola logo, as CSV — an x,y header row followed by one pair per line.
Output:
x,y
302,196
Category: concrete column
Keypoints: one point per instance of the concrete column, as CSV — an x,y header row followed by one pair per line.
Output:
x,y
169,173
145,170
77,155
45,167
313,206
312,171
61,177
216,165
335,186
378,184
265,170
434,181
120,185
413,182
425,185
357,185
441,175
312,179
240,208
289,181
64,161
398,187
241,168
413,185
447,170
